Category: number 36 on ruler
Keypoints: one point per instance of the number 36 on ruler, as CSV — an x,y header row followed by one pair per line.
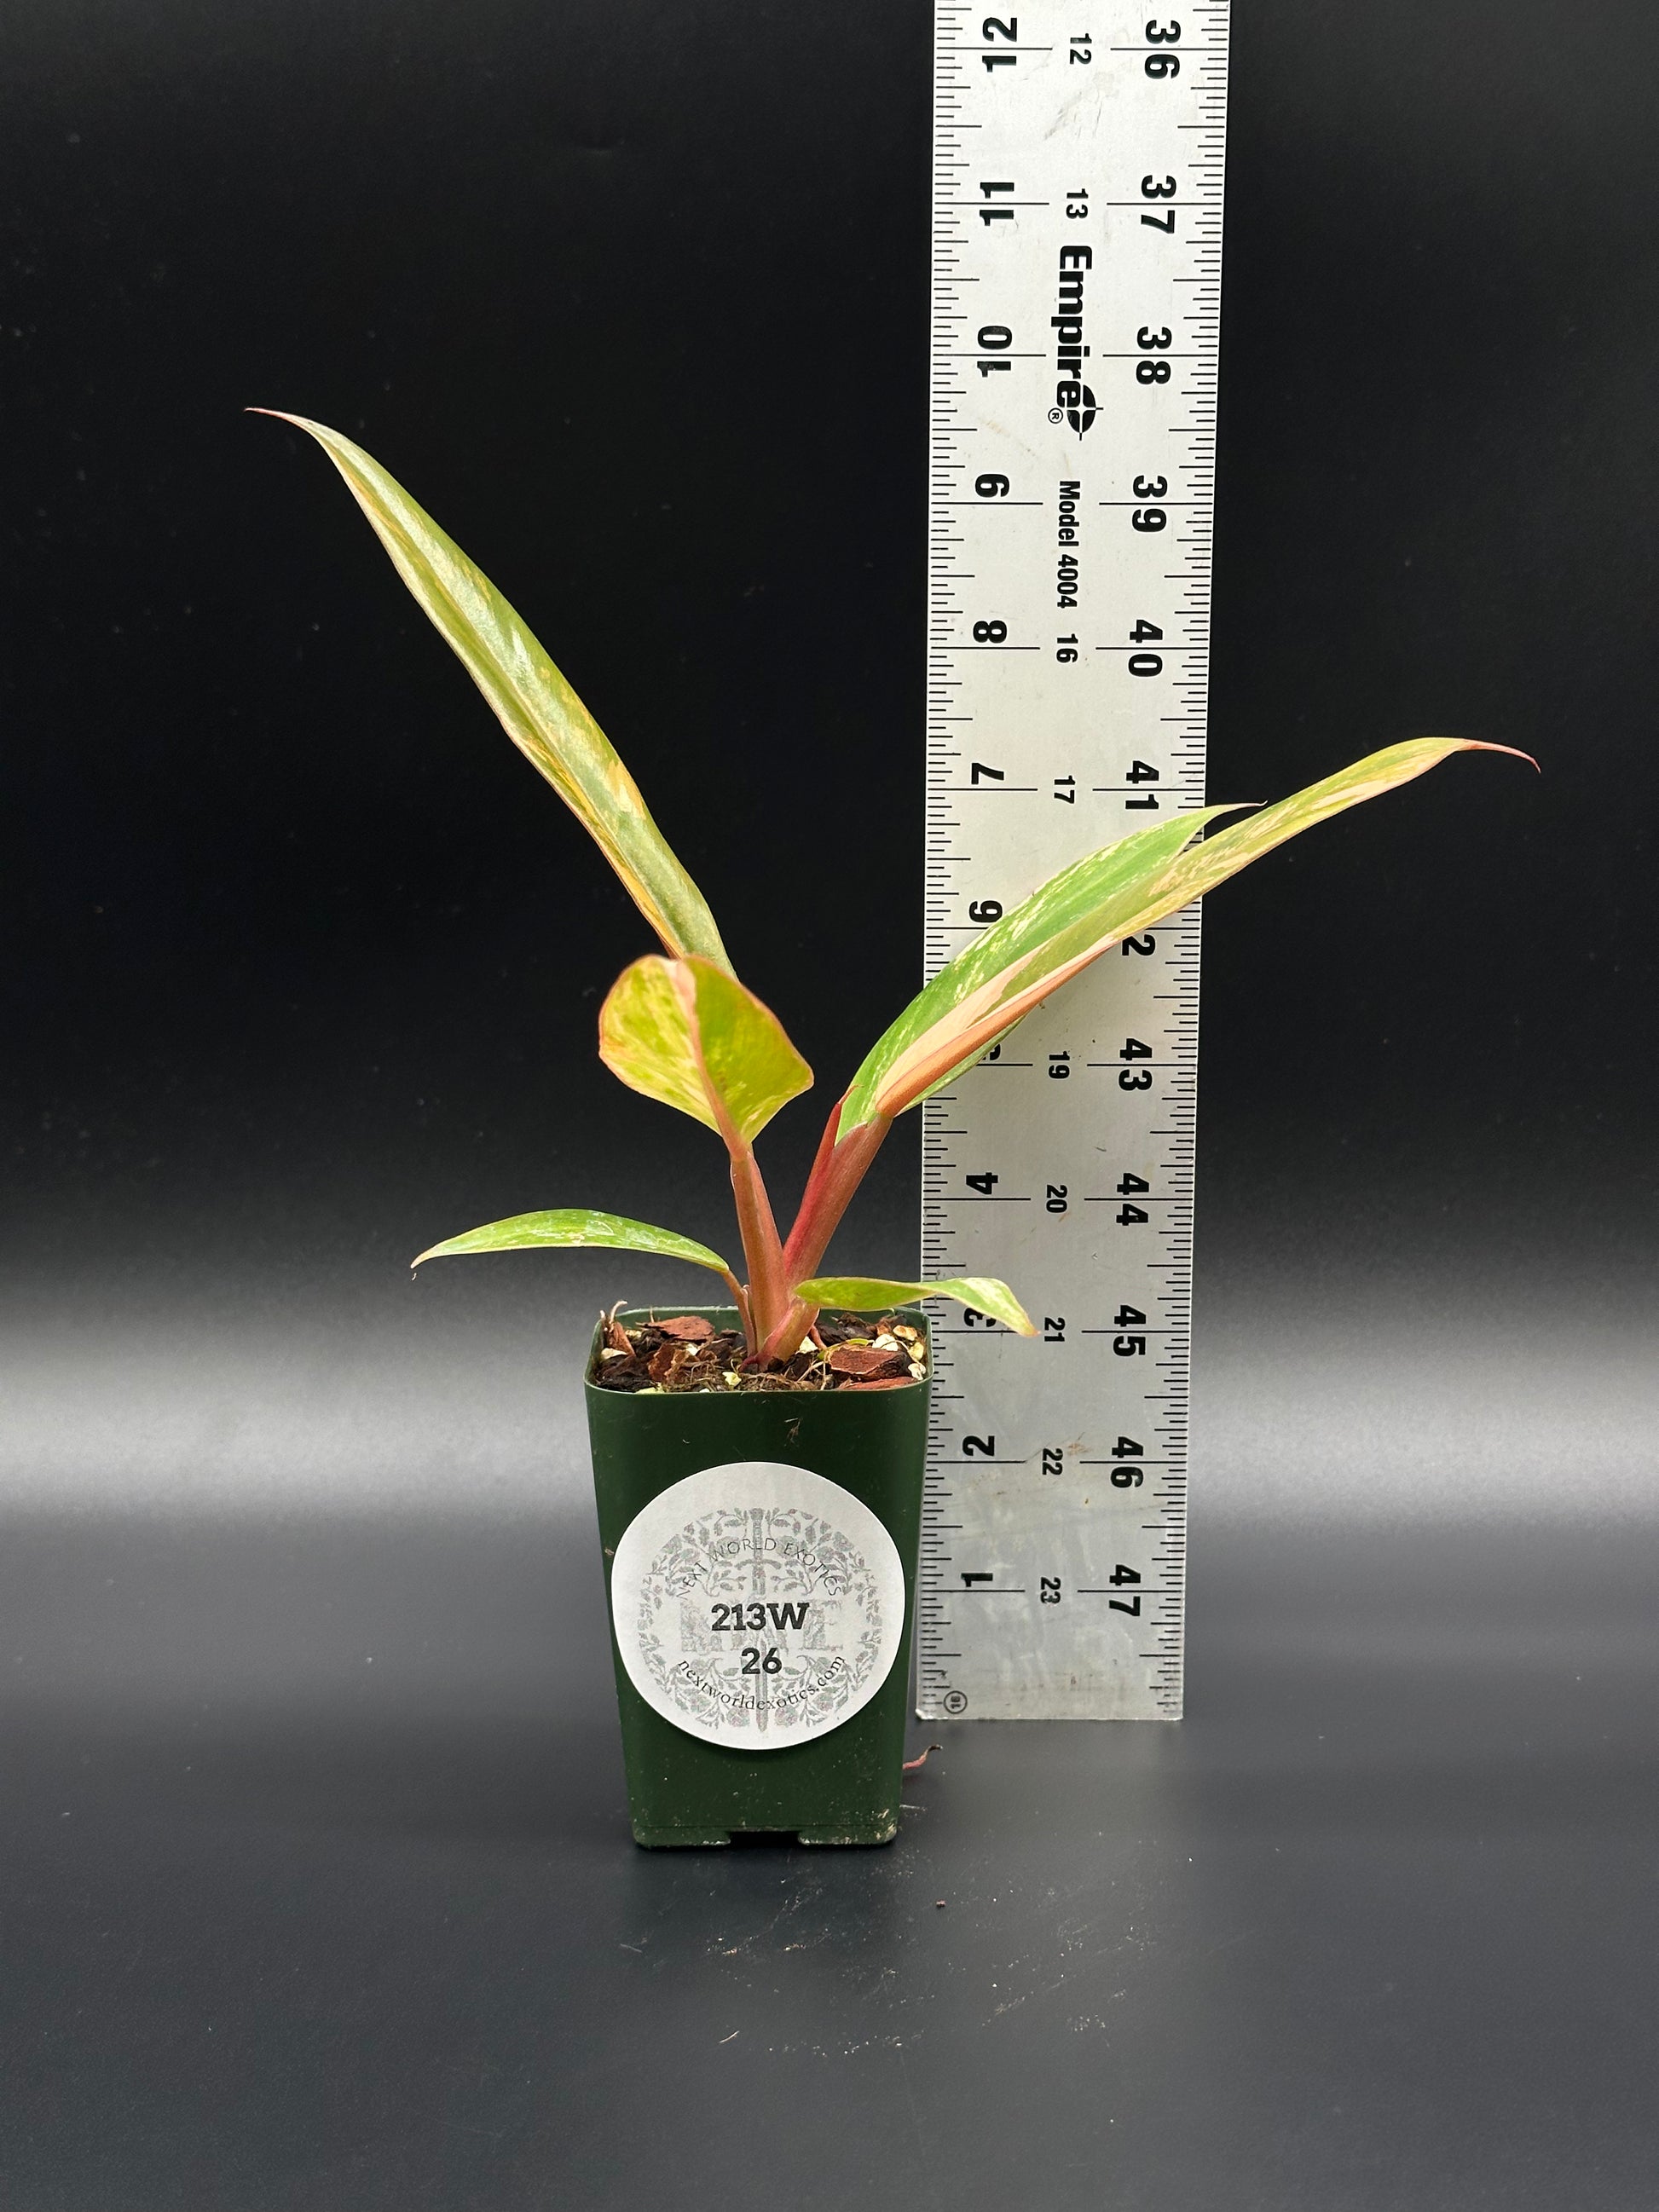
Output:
x,y
1076,293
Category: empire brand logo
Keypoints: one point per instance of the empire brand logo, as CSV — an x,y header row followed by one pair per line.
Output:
x,y
1074,401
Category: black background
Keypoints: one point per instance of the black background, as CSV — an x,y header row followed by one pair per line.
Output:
x,y
302,964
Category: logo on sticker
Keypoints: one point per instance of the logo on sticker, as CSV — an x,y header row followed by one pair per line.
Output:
x,y
757,1604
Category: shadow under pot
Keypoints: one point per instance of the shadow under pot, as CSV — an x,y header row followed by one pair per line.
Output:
x,y
760,1552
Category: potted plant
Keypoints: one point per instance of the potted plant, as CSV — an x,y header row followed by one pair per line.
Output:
x,y
758,1464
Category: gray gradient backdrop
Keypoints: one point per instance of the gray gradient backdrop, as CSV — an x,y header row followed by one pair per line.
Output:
x,y
316,1890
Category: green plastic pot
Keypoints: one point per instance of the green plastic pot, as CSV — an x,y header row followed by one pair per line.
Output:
x,y
839,1787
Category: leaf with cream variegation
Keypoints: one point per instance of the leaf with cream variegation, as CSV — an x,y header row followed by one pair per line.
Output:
x,y
1086,909
687,1033
871,1294
536,706
1016,963
1203,866
574,1226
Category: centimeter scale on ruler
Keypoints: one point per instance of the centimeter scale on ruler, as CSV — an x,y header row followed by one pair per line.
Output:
x,y
1077,266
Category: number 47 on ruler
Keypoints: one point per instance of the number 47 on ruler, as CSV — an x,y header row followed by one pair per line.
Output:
x,y
1076,294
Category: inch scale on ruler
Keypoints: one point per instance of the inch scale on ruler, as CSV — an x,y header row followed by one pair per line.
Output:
x,y
1076,293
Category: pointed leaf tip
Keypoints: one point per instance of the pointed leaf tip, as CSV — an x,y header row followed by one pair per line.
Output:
x,y
1481,745
533,702
1070,920
1201,867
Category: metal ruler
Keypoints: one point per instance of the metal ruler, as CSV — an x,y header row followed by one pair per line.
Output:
x,y
1076,281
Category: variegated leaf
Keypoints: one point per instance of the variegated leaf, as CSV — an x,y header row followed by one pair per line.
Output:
x,y
538,708
866,1294
1202,867
686,1033
1018,961
576,1226
1084,911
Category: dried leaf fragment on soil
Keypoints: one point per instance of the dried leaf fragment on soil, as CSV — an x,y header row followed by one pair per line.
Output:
x,y
867,1361
686,1352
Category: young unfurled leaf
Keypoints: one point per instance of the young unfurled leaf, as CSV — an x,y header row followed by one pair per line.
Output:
x,y
860,1294
687,1034
572,1225
1084,910
538,708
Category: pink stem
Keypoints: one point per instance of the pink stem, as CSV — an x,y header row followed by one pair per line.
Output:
x,y
837,1172
768,1295
740,1300
790,1333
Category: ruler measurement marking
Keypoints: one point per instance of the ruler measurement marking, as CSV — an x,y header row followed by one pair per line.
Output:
x,y
1035,1523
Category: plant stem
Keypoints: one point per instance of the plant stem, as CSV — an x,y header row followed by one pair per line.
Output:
x,y
740,1300
836,1173
768,1300
798,1318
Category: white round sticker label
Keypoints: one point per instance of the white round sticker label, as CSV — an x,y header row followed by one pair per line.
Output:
x,y
756,1604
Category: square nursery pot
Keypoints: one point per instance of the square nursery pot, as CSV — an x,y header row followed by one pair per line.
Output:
x,y
760,1556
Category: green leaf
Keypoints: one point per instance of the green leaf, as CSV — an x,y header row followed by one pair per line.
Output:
x,y
575,1224
862,1294
1084,910
684,1032
538,708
